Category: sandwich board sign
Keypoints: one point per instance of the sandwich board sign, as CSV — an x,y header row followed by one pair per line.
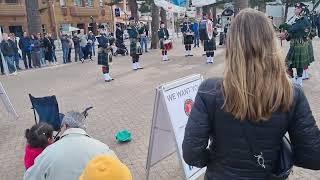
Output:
x,y
173,103
7,103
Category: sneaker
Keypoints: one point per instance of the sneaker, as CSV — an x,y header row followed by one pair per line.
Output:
x,y
82,60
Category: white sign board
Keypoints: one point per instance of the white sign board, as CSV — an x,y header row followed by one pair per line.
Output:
x,y
7,103
173,104
200,3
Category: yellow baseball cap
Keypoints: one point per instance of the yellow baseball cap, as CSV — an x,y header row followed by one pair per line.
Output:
x,y
104,167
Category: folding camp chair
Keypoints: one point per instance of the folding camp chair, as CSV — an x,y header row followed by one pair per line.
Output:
x,y
47,110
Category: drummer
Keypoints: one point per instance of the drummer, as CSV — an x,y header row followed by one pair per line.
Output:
x,y
163,34
187,35
208,37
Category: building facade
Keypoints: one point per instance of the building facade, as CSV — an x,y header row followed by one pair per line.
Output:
x,y
58,16
13,16
53,16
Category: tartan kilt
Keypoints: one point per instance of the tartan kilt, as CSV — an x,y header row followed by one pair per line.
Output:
x,y
310,51
299,54
133,48
162,45
188,39
210,45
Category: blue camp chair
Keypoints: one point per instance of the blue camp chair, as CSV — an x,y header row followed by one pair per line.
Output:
x,y
47,110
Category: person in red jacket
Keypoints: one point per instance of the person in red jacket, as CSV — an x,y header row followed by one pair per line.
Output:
x,y
38,138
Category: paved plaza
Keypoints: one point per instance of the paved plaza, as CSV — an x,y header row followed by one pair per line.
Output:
x,y
125,103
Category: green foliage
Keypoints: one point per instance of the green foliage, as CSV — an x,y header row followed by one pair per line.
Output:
x,y
113,2
145,8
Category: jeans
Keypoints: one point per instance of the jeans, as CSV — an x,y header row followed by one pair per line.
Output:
x,y
16,60
196,40
65,51
24,57
144,43
11,64
81,53
76,54
54,55
93,50
42,61
36,56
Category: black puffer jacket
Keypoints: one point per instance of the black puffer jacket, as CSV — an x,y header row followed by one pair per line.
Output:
x,y
228,157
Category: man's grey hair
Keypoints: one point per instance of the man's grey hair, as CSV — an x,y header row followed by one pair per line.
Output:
x,y
74,120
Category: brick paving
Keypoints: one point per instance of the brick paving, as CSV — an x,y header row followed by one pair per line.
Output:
x,y
125,103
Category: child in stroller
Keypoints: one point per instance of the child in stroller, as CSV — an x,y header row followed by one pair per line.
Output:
x,y
121,48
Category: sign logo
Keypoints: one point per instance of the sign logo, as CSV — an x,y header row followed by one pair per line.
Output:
x,y
188,106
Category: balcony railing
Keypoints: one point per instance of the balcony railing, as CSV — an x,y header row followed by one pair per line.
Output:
x,y
14,10
83,11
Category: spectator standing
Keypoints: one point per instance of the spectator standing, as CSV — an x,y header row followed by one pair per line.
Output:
x,y
53,48
65,47
1,65
48,49
38,137
195,29
17,56
143,36
245,113
92,37
76,44
119,34
70,48
83,44
36,50
24,45
67,158
8,52
42,50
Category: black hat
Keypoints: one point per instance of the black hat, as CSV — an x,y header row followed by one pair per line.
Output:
x,y
101,26
131,18
161,22
185,16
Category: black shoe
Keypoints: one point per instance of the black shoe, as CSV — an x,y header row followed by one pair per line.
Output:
x,y
190,55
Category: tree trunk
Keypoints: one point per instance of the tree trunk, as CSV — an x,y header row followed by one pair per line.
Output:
x,y
214,12
134,9
206,9
262,7
286,12
154,26
163,16
240,4
33,17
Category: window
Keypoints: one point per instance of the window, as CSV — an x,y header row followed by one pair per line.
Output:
x,y
90,3
43,26
78,3
11,1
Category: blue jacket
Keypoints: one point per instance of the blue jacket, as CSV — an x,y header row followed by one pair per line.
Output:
x,y
25,44
195,28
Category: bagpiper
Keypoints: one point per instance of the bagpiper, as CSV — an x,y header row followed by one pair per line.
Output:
x,y
299,55
163,34
104,53
135,46
207,37
188,35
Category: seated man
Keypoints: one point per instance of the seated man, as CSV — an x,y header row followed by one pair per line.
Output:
x,y
67,158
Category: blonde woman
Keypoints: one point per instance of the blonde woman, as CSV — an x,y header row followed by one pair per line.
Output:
x,y
255,97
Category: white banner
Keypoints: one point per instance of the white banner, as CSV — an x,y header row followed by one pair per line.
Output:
x,y
200,3
169,6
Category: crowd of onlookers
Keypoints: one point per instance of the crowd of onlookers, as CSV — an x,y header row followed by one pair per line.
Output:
x,y
38,50
75,155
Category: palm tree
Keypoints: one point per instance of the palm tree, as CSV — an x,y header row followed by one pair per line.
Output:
x,y
240,4
163,16
134,9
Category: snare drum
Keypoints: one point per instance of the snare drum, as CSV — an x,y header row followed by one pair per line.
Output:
x,y
167,45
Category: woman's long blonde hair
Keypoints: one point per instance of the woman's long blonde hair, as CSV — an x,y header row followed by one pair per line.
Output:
x,y
255,82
